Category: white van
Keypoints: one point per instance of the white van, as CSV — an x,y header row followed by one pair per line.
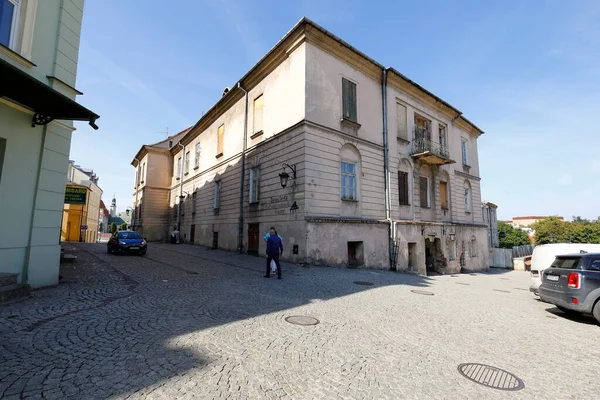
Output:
x,y
544,255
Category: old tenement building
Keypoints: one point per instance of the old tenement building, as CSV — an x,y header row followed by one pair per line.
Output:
x,y
304,142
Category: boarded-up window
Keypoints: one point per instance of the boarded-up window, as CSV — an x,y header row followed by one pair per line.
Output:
x,y
403,188
258,114
401,118
220,138
424,191
349,100
444,195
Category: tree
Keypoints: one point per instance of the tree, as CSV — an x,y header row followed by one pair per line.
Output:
x,y
101,227
512,236
553,230
113,227
124,226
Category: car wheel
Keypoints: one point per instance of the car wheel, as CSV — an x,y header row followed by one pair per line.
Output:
x,y
596,311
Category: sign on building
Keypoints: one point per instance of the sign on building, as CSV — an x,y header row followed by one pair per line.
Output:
x,y
74,195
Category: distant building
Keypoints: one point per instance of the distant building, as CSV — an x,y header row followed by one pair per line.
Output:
x,y
530,220
80,221
103,218
491,220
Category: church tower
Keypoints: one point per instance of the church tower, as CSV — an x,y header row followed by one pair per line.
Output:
x,y
113,207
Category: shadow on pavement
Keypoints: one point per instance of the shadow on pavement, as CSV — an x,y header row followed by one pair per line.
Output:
x,y
575,317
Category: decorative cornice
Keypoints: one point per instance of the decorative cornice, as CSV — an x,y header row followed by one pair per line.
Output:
x,y
446,224
469,176
13,55
343,220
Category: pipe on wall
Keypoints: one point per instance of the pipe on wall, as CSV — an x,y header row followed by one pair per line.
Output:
x,y
180,190
240,246
137,189
386,172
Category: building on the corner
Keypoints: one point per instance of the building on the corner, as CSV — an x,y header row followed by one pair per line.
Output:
x,y
39,46
527,221
490,218
80,220
303,142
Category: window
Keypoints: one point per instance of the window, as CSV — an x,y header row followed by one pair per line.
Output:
x,y
425,193
179,168
594,265
137,177
217,195
186,163
467,194
143,172
442,136
9,19
465,151
444,195
566,262
473,247
349,100
197,159
254,184
403,188
258,114
220,138
348,182
401,118
422,129
451,250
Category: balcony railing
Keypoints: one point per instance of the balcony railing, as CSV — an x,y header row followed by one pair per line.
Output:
x,y
424,145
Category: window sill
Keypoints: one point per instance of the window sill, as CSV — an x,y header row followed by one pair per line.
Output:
x,y
445,209
219,155
252,203
467,212
186,174
350,200
402,140
177,178
404,205
427,207
466,168
16,56
195,168
350,123
141,183
257,134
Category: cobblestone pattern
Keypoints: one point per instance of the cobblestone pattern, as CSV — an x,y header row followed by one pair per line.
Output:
x,y
186,322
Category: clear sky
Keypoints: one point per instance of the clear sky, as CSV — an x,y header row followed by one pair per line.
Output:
x,y
526,72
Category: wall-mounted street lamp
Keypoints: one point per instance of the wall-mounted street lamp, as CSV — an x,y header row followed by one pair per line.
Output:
x,y
284,176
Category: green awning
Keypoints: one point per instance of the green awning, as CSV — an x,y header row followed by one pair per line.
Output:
x,y
47,103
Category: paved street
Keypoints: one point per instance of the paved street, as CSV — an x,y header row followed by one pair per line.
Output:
x,y
186,322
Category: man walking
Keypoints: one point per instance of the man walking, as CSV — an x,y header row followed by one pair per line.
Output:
x,y
274,250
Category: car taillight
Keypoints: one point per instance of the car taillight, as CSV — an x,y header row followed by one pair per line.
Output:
x,y
574,282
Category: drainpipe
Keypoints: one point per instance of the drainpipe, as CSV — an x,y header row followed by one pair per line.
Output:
x,y
243,173
386,172
137,189
180,191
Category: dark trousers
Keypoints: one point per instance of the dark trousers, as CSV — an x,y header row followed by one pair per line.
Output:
x,y
276,258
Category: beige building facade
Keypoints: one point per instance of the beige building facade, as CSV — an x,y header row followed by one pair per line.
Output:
x,y
380,172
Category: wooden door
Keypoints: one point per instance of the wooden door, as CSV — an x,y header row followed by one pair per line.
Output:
x,y
253,238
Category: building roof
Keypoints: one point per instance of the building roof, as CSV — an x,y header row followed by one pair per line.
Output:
x,y
162,145
306,26
117,220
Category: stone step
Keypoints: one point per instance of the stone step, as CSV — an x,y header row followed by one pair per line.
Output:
x,y
8,279
12,293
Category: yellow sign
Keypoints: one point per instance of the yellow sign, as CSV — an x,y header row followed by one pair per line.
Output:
x,y
74,195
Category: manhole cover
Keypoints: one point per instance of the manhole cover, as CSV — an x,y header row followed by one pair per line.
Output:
x,y
302,320
491,377
363,283
499,290
423,292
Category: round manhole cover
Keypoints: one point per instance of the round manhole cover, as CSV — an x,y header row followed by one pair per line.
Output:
x,y
423,292
302,320
491,377
363,283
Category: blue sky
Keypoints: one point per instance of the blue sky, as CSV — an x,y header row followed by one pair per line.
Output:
x,y
527,73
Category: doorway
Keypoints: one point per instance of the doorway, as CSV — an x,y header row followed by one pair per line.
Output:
x,y
433,256
356,256
192,234
253,238
412,256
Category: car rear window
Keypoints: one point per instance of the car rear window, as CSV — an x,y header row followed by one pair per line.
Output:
x,y
566,262
129,235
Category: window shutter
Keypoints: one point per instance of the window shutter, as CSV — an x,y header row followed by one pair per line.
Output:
x,y
403,188
221,134
258,114
444,195
401,118
349,99
423,189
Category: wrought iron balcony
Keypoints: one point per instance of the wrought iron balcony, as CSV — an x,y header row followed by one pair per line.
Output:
x,y
429,152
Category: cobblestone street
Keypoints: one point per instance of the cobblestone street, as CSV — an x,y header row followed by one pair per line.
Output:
x,y
186,322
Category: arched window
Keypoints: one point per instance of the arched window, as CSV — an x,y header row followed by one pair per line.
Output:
x,y
349,173
467,196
